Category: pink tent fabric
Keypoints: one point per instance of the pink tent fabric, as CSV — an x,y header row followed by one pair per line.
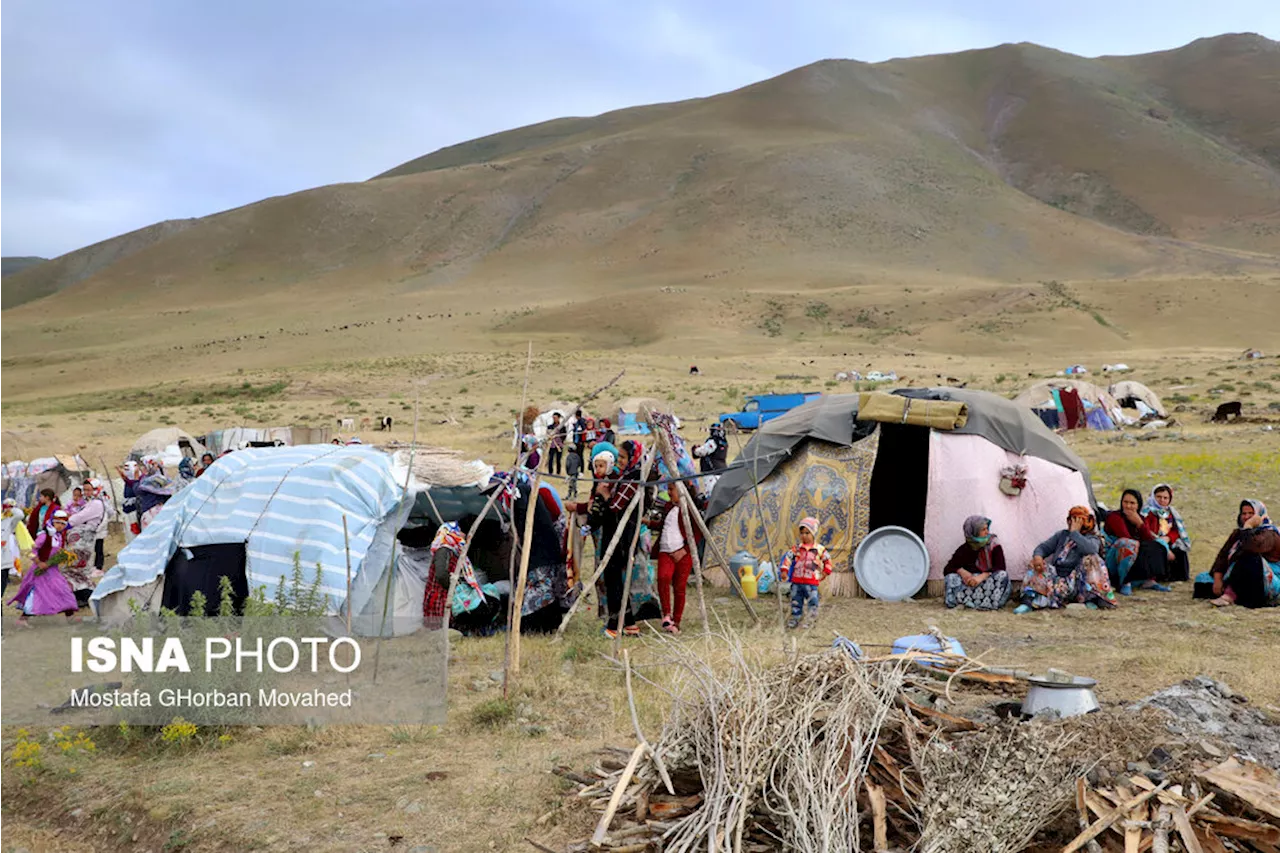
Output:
x,y
964,480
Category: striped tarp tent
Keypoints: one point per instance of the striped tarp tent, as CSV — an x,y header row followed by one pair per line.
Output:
x,y
278,502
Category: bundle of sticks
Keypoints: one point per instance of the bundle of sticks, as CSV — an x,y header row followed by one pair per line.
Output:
x,y
826,751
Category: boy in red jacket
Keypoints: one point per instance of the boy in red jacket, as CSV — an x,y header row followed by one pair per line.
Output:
x,y
805,566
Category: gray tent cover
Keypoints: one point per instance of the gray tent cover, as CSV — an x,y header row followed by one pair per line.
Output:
x,y
833,418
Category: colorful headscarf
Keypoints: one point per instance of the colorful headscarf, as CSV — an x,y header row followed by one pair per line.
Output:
x,y
467,594
1082,512
1167,514
1260,509
635,452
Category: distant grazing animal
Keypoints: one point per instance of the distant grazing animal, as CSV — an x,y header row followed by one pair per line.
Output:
x,y
347,423
365,423
384,425
1226,412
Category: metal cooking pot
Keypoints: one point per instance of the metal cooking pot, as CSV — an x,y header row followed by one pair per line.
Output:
x,y
1069,698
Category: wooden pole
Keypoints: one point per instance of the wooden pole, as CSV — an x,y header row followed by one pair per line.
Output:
x,y
525,548
511,600
764,527
601,563
631,554
346,542
681,495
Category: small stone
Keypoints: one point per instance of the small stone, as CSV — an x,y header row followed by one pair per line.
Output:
x,y
1138,767
533,730
1159,777
308,764
496,675
1159,757
75,813
376,755
413,808
317,793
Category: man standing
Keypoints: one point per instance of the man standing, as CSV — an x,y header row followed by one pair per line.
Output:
x,y
555,449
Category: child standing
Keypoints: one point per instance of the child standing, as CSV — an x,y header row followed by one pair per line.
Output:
x,y
805,566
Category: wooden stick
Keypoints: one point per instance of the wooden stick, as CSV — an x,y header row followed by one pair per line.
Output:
x,y
602,828
1183,823
604,561
1082,814
764,526
537,846
524,397
1161,828
346,541
875,794
635,722
734,583
596,393
1103,824
680,494
631,556
526,546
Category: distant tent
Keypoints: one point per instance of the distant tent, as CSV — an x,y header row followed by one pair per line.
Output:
x,y
1135,395
858,475
1073,404
626,418
170,444
23,481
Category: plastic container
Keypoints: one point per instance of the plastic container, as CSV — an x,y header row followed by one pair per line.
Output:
x,y
749,580
766,578
740,559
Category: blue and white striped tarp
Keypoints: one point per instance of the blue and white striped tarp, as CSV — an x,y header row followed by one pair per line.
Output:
x,y
280,501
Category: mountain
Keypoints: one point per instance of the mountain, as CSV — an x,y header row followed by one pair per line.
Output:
x,y
16,264
1007,165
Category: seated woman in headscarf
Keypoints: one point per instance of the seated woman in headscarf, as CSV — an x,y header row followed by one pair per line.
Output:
x,y
975,576
1166,523
477,606
1132,553
1066,568
1247,570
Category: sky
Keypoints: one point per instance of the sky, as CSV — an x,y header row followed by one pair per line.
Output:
x,y
115,115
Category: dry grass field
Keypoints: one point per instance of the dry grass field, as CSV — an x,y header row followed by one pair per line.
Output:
x,y
989,217
481,782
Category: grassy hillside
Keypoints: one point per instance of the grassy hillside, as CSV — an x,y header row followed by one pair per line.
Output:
x,y
908,197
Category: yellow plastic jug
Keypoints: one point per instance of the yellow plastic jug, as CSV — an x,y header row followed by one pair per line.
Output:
x,y
749,579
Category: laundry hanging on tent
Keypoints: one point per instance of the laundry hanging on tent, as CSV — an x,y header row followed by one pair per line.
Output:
x,y
1072,407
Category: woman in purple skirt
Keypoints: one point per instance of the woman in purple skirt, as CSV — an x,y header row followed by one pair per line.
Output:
x,y
44,591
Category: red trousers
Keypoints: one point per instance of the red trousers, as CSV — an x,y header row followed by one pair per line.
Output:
x,y
673,578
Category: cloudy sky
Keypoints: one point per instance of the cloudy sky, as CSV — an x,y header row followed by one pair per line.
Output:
x,y
119,114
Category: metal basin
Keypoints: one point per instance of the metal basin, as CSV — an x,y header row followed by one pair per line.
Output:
x,y
1069,698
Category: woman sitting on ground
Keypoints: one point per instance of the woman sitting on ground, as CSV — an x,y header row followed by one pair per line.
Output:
x,y
1133,555
477,609
1066,568
1247,570
1166,523
975,577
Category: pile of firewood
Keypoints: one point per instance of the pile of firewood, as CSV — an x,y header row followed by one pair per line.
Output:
x,y
827,752
1231,806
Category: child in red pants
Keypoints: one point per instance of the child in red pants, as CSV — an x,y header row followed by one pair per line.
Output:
x,y
674,564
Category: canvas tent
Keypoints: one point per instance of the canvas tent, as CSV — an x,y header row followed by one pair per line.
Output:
x,y
252,511
1134,395
170,444
626,414
1073,404
857,476
23,481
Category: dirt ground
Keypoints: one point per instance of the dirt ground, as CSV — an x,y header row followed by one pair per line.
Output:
x,y
481,781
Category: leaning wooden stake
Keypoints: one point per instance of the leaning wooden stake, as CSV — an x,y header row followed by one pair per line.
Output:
x,y
526,546
631,555
601,563
346,542
669,458
602,828
768,544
